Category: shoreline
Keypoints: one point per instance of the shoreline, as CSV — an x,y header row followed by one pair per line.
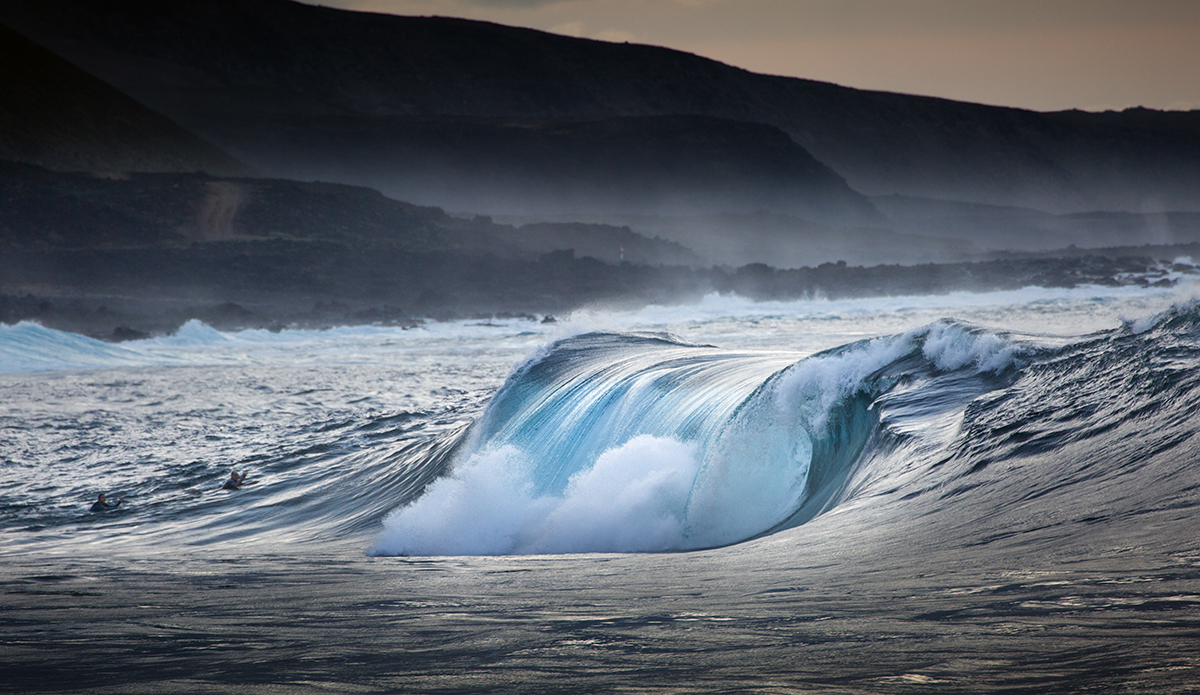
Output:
x,y
114,308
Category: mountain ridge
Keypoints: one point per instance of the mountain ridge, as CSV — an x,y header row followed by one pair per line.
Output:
x,y
373,64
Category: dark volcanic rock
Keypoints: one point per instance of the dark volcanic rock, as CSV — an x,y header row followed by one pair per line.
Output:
x,y
40,209
605,242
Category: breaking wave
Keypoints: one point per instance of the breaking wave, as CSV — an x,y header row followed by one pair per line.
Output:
x,y
626,443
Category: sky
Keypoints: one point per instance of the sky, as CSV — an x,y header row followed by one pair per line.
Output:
x,y
1038,54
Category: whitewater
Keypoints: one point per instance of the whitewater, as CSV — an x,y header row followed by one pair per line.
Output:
x,y
665,429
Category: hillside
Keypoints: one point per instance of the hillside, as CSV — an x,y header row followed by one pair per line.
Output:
x,y
57,116
225,75
224,67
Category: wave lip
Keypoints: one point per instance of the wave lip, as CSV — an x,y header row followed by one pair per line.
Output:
x,y
623,443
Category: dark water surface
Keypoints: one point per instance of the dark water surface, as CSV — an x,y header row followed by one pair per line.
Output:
x,y
1118,620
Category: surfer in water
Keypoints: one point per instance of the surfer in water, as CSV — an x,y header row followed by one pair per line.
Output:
x,y
102,505
235,481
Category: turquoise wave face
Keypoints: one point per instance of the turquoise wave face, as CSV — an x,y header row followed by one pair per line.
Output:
x,y
627,443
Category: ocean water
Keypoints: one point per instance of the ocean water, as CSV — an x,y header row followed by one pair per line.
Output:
x,y
1016,420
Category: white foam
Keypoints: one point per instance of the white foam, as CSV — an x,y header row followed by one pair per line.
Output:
x,y
951,347
632,499
1184,298
194,333
814,386
484,507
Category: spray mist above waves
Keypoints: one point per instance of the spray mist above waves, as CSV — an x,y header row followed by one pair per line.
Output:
x,y
635,443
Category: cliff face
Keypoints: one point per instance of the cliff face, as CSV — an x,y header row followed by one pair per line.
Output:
x,y
225,68
55,115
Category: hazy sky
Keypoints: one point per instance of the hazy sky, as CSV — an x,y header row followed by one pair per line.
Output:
x,y
1040,54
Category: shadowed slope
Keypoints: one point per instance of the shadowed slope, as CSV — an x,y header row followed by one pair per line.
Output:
x,y
55,115
663,164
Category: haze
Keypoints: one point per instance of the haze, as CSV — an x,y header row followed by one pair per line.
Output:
x,y
1036,54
